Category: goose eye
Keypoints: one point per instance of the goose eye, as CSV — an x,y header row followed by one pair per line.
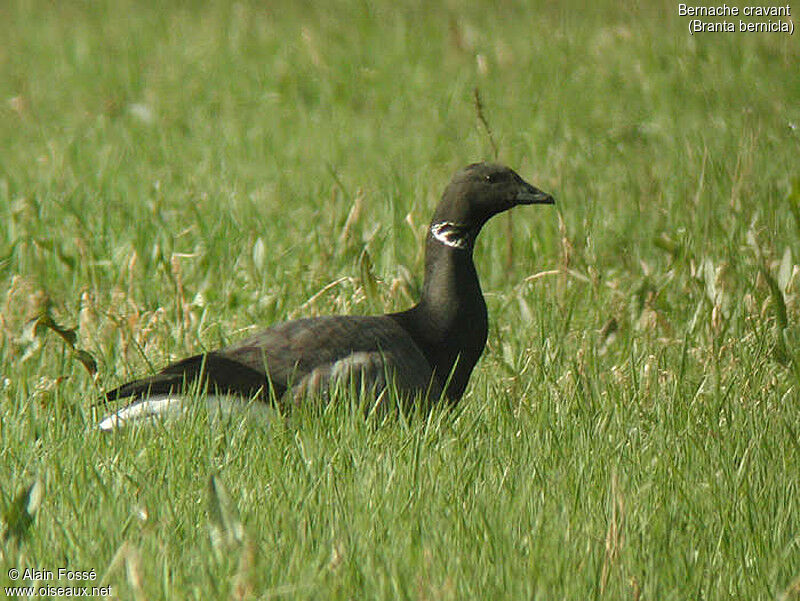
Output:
x,y
493,178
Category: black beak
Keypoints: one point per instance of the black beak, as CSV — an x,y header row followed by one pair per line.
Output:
x,y
528,195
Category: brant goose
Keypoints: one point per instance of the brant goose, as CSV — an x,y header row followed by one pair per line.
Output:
x,y
428,351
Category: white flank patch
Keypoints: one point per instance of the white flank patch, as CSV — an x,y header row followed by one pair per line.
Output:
x,y
161,407
355,363
450,234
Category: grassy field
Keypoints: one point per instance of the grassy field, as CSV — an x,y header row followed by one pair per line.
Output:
x,y
171,176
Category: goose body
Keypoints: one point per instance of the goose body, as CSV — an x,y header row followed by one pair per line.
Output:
x,y
428,351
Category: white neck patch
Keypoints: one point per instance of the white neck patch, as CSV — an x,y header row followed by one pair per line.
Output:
x,y
451,234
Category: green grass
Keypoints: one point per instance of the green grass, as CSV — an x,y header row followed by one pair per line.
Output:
x,y
171,176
